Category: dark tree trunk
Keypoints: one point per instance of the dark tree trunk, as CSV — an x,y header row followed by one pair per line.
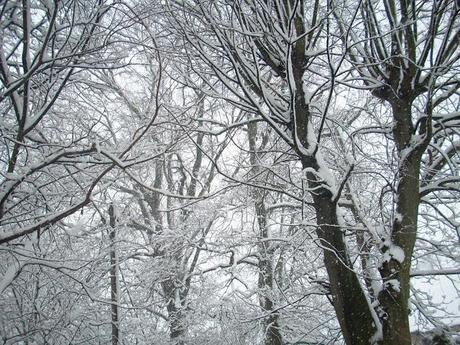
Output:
x,y
349,300
177,327
113,277
395,271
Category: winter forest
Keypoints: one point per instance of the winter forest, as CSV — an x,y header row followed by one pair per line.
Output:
x,y
229,172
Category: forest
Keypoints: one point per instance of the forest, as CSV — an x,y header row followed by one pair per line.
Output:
x,y
229,172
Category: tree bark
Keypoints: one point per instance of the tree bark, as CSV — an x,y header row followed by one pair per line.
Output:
x,y
349,300
272,333
395,270
114,277
176,315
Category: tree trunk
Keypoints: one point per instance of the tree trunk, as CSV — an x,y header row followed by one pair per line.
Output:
x,y
351,305
349,300
177,328
113,277
272,334
395,270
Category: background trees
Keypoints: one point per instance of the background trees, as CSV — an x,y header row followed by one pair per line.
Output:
x,y
279,170
46,47
61,135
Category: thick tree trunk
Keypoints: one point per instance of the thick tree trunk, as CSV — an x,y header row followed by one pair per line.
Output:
x,y
351,305
395,270
350,302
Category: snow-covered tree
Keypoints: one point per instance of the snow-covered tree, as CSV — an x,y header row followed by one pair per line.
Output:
x,y
292,64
